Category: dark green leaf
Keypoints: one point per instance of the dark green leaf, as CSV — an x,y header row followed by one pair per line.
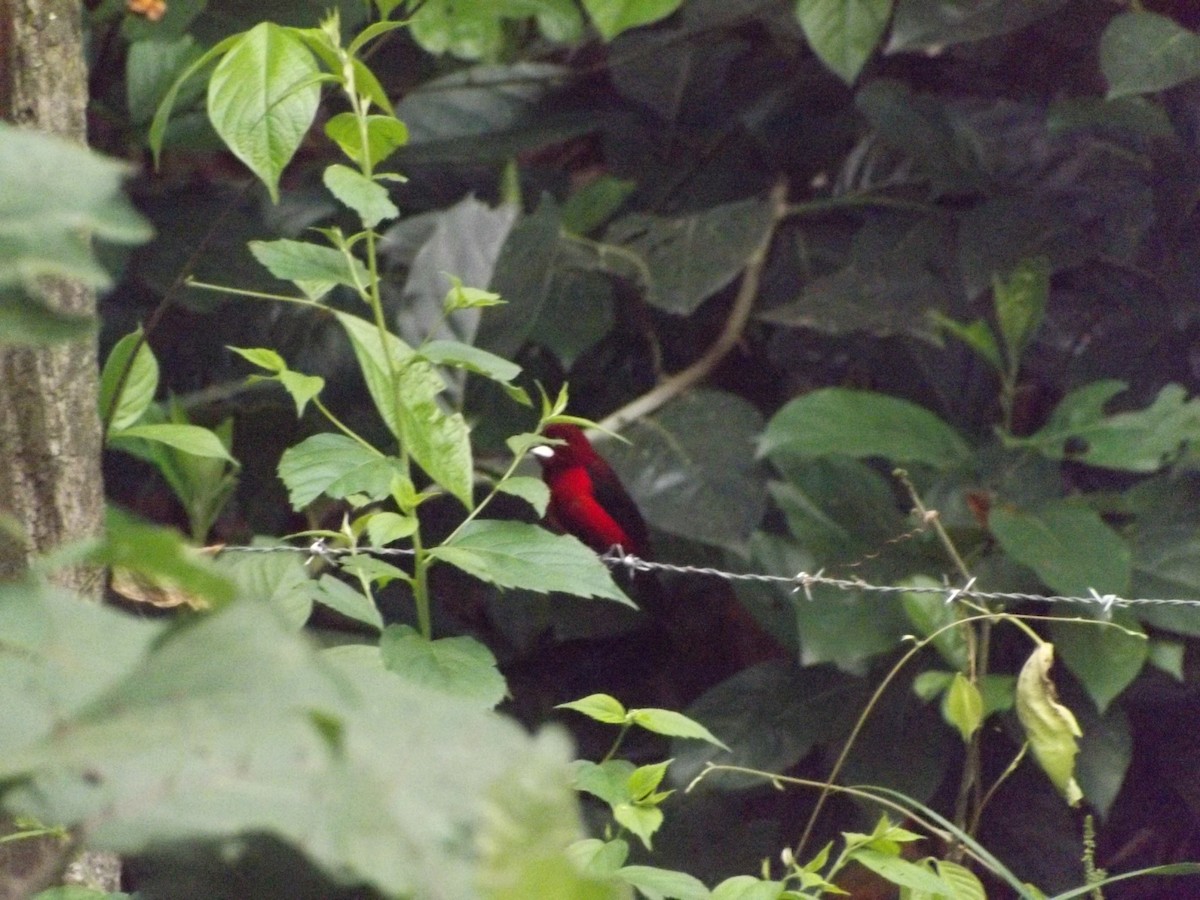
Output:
x,y
1104,658
1067,544
689,258
862,424
930,24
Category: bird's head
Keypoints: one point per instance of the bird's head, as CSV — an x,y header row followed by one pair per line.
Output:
x,y
575,450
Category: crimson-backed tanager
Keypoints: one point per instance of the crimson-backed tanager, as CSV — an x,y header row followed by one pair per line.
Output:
x,y
586,497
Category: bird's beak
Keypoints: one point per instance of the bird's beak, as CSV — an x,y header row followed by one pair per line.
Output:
x,y
542,451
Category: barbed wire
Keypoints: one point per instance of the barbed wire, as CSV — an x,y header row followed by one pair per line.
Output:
x,y
802,582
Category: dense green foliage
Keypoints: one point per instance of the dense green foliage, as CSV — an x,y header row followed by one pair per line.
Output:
x,y
782,248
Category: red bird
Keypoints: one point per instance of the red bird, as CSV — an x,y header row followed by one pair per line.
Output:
x,y
586,497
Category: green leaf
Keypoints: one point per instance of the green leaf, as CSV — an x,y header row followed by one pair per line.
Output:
x,y
657,884
1141,52
962,706
1049,726
408,404
310,467
686,483
385,135
262,99
158,126
747,887
1067,544
609,780
595,203
611,17
280,580
366,197
460,666
472,359
978,336
140,384
902,872
930,613
644,781
314,268
963,883
600,707
599,858
1105,658
518,555
689,258
673,724
189,438
262,357
56,197
532,490
302,388
640,820
862,424
1142,440
350,602
385,527
843,33
933,25
1020,304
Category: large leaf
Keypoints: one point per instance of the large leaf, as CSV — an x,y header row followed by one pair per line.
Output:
x,y
929,24
519,555
1067,544
458,666
1142,52
1050,726
1166,550
862,424
1141,440
843,33
262,99
333,464
691,468
611,17
771,715
234,725
689,258
55,198
405,389
1104,658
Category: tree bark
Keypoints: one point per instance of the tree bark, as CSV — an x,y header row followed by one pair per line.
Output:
x,y
50,482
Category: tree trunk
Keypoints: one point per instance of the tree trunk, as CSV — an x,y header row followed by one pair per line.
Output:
x,y
50,480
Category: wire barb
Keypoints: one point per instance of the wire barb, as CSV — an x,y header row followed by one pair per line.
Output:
x,y
802,581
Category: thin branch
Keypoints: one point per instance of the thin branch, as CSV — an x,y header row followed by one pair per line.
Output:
x,y
739,315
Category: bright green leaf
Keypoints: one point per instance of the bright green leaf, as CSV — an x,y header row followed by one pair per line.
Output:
x,y
600,707
844,33
310,467
262,99
519,555
189,438
611,17
962,706
673,724
315,268
366,197
656,883
140,381
532,490
385,135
